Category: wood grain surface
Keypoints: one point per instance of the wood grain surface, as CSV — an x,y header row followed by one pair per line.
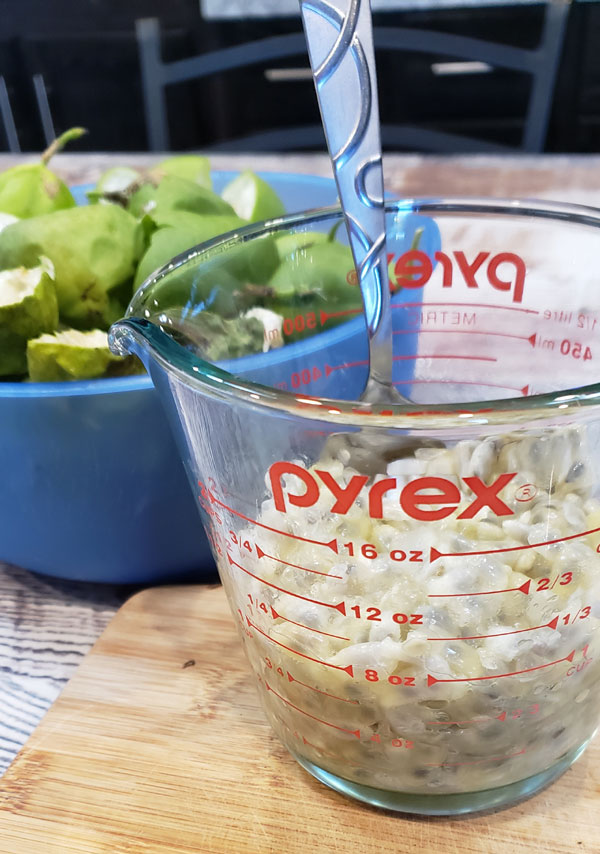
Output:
x,y
158,745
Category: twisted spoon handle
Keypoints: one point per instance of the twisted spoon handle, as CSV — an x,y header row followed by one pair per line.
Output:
x,y
339,34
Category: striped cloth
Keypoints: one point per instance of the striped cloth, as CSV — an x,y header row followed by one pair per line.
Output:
x,y
46,627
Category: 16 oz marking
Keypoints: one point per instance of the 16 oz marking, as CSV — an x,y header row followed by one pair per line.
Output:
x,y
369,551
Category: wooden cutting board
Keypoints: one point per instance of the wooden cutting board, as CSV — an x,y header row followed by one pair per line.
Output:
x,y
158,746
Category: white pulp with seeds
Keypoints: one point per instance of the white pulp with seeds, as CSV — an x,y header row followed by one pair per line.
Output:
x,y
414,686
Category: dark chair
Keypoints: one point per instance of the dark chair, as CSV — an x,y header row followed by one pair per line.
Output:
x,y
541,63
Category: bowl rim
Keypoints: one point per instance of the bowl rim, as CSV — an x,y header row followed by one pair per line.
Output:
x,y
136,382
214,380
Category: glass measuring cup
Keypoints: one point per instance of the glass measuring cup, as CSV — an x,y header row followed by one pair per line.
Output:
x,y
417,586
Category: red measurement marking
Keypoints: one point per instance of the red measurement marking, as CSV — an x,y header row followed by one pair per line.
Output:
x,y
459,723
333,696
551,625
341,607
332,544
329,369
531,338
355,732
260,554
476,762
325,753
277,616
524,588
431,680
435,554
524,390
324,316
347,669
463,305
446,356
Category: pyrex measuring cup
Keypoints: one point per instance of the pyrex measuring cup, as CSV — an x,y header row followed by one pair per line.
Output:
x,y
417,587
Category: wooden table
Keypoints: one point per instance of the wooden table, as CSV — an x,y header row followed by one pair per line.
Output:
x,y
46,626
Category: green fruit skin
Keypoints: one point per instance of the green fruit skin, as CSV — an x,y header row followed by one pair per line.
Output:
x,y
318,269
251,262
35,314
269,205
177,194
94,249
138,201
314,279
192,167
289,244
56,362
13,361
30,190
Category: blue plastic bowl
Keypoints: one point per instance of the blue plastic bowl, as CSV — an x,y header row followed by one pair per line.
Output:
x,y
93,487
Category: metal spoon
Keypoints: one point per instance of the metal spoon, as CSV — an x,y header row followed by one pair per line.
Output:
x,y
339,34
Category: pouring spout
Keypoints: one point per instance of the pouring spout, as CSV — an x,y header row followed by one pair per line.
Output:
x,y
137,337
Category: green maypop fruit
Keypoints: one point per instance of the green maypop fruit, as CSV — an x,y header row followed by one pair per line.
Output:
x,y
141,201
118,179
94,250
253,262
252,198
176,194
75,355
192,167
179,232
7,219
28,307
116,186
318,270
315,280
31,189
289,244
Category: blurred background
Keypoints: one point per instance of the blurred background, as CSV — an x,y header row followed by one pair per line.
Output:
x,y
87,62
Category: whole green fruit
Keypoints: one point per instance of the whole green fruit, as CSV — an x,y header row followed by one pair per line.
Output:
x,y
31,189
94,250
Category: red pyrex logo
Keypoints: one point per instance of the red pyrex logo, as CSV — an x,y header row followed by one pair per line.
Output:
x,y
504,271
415,496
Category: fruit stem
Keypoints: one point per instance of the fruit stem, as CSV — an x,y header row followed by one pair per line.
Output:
x,y
60,142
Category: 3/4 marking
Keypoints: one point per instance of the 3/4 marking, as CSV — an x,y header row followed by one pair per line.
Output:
x,y
260,553
332,544
341,607
318,690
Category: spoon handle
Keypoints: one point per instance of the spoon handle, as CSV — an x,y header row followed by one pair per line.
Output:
x,y
339,34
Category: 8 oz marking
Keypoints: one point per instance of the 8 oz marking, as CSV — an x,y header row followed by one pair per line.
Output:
x,y
407,681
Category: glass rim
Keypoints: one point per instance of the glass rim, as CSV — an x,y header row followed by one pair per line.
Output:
x,y
222,383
